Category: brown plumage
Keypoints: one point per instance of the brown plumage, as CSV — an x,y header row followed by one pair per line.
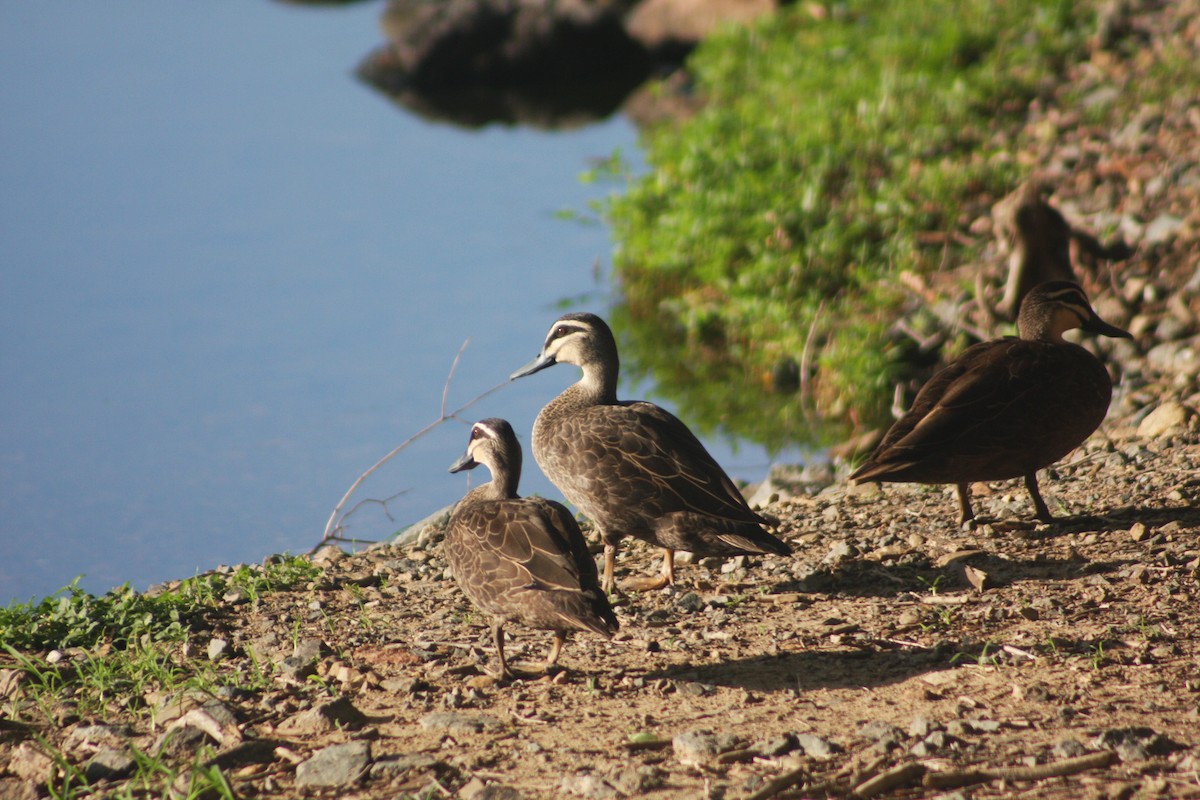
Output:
x,y
631,467
521,559
1005,408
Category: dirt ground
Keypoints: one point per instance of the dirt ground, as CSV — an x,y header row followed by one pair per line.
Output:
x,y
895,654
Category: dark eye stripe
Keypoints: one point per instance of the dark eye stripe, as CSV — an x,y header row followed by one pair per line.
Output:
x,y
561,331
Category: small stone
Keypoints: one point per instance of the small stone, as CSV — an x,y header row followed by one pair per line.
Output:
x,y
17,790
455,722
689,602
697,748
396,766
879,730
637,781
324,717
1068,748
297,668
29,763
1137,531
921,727
218,649
336,765
328,555
1168,417
733,564
840,550
1162,228
93,737
592,787
180,741
10,682
815,746
776,746
1134,744
983,725
109,763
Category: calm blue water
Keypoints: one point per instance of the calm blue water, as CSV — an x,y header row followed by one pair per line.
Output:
x,y
232,277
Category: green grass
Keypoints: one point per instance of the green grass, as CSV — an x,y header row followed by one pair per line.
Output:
x,y
114,651
765,238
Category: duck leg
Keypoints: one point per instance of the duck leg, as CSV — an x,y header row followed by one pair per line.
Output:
x,y
498,639
560,638
607,581
665,578
964,504
1039,505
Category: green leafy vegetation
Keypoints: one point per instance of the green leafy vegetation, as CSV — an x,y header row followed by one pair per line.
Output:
x,y
86,657
757,257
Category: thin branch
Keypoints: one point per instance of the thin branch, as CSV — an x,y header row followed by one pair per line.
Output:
x,y
337,517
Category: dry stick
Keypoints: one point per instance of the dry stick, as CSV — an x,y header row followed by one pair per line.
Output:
x,y
954,778
806,363
335,520
894,778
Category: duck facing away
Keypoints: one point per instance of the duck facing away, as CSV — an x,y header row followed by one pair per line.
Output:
x,y
631,467
521,559
1005,408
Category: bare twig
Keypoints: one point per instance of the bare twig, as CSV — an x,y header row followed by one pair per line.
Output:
x,y
895,778
806,364
954,778
334,525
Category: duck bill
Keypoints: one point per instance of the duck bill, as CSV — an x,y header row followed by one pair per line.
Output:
x,y
466,462
537,365
1099,326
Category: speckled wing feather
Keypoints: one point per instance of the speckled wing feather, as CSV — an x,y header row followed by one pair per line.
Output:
x,y
518,537
661,456
993,414
526,559
635,469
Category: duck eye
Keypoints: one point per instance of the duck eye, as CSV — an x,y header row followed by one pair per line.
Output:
x,y
476,433
561,330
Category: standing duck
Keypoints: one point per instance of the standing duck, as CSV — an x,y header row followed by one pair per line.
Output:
x,y
631,467
1006,408
521,559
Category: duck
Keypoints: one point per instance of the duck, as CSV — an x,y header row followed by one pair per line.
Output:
x,y
631,467
521,559
1005,408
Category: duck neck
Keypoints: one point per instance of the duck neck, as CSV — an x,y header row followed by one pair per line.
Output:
x,y
1041,329
503,485
598,386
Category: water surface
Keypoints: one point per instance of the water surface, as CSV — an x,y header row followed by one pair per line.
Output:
x,y
232,277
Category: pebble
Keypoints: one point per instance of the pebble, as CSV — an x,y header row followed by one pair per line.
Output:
x,y
1168,417
1068,748
1133,744
396,766
336,765
815,746
93,737
592,787
697,748
29,763
218,649
637,781
455,722
324,717
109,763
